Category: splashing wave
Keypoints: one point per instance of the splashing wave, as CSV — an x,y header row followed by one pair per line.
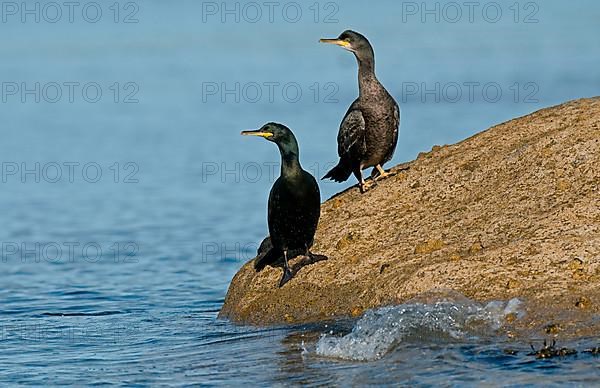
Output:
x,y
380,330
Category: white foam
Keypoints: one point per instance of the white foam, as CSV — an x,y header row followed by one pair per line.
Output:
x,y
380,330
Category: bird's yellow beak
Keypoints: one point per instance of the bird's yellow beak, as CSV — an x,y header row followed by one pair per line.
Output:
x,y
338,42
258,132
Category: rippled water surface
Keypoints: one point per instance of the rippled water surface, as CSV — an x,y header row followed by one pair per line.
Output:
x,y
123,223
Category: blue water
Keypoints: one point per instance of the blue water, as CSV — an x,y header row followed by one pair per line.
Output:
x,y
125,215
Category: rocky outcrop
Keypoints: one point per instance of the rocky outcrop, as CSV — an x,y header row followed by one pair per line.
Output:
x,y
513,211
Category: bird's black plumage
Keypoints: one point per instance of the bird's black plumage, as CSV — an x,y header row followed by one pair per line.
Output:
x,y
369,131
294,203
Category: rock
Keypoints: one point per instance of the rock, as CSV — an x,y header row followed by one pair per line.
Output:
x,y
583,302
553,328
429,246
499,215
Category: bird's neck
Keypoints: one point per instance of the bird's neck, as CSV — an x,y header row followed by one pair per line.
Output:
x,y
290,163
367,80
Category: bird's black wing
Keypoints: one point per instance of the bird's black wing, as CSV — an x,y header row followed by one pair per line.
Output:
x,y
351,145
275,209
351,137
294,209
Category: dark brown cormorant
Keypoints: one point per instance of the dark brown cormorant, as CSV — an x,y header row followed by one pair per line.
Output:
x,y
369,131
294,204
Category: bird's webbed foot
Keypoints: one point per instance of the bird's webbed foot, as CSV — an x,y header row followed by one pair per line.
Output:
x,y
314,258
362,185
365,186
379,173
287,273
287,276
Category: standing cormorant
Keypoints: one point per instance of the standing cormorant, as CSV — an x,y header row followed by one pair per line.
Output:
x,y
294,204
369,131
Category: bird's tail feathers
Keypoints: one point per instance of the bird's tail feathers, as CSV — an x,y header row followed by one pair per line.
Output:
x,y
271,256
339,173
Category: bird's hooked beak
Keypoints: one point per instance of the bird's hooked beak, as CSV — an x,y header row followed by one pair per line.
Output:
x,y
258,132
338,42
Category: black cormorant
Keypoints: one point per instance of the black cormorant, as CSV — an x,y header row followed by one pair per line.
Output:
x,y
369,131
294,203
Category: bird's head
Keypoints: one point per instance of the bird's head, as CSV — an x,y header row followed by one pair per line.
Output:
x,y
278,134
354,42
